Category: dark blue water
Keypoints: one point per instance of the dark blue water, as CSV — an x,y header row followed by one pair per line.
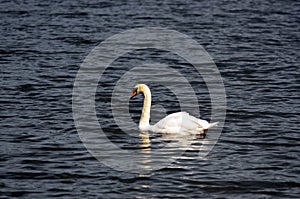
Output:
x,y
255,45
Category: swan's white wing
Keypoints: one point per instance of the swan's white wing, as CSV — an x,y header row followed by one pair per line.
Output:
x,y
180,122
172,120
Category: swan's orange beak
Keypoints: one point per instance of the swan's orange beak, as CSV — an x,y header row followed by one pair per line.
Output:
x,y
134,93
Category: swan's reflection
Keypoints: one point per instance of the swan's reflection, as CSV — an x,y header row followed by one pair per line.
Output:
x,y
160,150
145,147
146,143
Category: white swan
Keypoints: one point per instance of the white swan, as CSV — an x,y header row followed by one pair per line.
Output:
x,y
180,122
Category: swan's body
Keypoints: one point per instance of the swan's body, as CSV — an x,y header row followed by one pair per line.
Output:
x,y
180,122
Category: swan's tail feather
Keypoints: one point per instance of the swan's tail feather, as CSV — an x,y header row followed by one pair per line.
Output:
x,y
212,125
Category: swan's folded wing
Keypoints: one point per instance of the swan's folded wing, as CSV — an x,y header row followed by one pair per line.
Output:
x,y
180,121
170,121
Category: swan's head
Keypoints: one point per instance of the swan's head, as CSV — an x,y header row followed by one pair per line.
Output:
x,y
139,88
135,91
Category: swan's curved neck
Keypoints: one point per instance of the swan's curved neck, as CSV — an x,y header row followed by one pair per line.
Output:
x,y
145,118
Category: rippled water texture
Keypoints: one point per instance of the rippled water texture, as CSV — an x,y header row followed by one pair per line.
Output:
x,y
255,45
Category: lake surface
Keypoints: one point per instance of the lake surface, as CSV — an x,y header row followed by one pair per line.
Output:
x,y
255,46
